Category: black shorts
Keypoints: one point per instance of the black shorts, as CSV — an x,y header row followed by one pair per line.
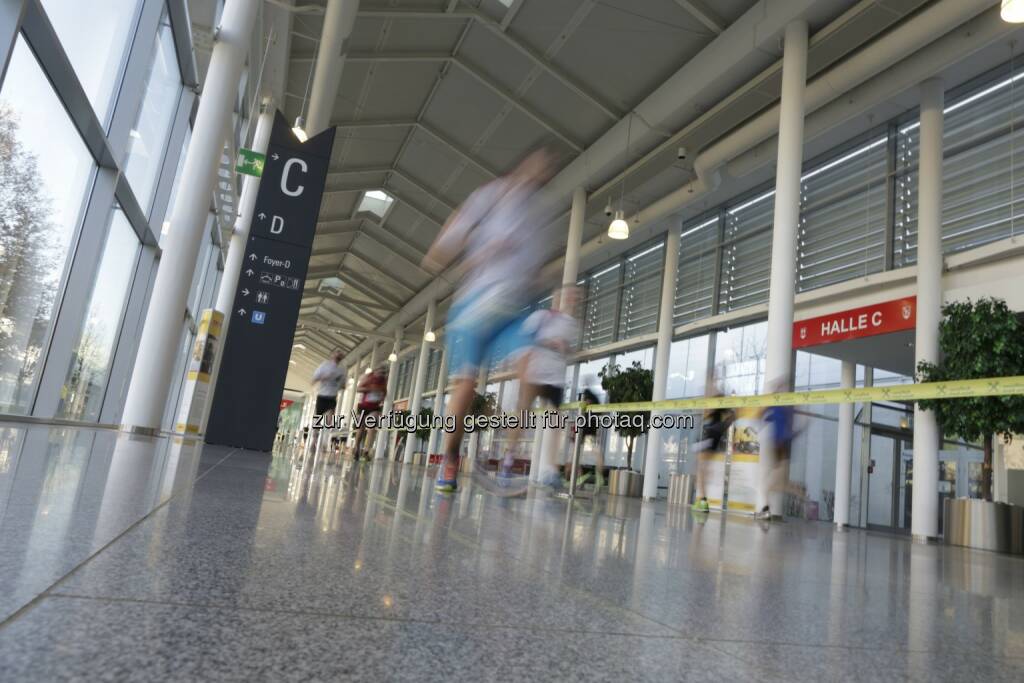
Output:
x,y
550,394
364,412
325,404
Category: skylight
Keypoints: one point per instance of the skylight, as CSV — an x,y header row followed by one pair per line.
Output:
x,y
376,202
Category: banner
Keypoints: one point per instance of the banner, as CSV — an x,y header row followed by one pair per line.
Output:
x,y
246,404
866,321
196,391
964,388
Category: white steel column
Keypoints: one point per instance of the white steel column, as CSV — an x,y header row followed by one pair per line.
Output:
x,y
151,379
844,447
339,17
652,458
925,503
381,449
437,435
246,203
779,361
416,400
577,216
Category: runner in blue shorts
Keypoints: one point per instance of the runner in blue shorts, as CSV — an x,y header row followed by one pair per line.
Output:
x,y
497,230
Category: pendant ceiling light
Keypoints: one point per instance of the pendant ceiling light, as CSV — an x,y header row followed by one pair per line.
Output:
x,y
618,229
1012,11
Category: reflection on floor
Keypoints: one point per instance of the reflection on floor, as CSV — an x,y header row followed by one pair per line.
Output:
x,y
141,559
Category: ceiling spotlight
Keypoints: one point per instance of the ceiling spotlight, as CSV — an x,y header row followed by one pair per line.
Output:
x,y
299,129
291,362
429,336
301,347
368,370
608,211
1012,11
392,357
618,229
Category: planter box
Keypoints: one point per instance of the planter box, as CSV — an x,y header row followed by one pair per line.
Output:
x,y
987,526
625,483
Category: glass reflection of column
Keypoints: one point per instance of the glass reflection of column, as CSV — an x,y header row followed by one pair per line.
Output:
x,y
923,600
837,587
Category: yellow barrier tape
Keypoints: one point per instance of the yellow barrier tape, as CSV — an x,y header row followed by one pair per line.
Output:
x,y
964,388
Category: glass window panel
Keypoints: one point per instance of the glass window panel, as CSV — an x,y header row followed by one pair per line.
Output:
x,y
695,278
740,354
44,179
687,367
84,387
747,252
148,138
95,35
600,306
166,227
981,195
842,217
641,292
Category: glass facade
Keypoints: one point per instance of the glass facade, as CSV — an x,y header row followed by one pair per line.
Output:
x,y
45,179
88,113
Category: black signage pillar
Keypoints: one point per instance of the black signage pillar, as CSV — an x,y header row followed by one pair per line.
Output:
x,y
254,364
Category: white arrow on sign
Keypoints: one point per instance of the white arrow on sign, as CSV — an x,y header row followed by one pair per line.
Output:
x,y
253,257
261,215
249,272
245,292
274,156
241,311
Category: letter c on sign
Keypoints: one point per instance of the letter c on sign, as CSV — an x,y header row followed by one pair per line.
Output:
x,y
876,318
284,177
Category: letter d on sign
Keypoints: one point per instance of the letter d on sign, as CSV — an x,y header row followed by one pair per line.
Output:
x,y
276,225
284,177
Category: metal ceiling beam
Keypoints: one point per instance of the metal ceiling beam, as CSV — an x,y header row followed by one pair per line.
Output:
x,y
346,330
429,130
517,102
408,286
510,14
704,14
353,302
351,315
390,189
496,28
365,235
382,297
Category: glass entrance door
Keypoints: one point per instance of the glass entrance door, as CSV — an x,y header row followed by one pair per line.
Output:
x,y
889,476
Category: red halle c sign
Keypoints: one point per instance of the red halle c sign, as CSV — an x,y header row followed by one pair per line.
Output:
x,y
867,321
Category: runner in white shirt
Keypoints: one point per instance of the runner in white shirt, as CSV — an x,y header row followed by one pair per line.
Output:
x,y
328,378
554,332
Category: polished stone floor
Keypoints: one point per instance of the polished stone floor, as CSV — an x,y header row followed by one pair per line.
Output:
x,y
151,559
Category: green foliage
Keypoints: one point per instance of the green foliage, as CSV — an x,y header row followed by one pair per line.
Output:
x,y
629,385
483,404
978,340
423,423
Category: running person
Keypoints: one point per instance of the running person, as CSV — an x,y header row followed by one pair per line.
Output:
x,y
554,332
497,229
589,430
779,424
715,427
327,379
373,387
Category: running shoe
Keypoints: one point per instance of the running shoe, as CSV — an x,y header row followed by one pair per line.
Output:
x,y
765,513
553,481
584,478
447,476
701,505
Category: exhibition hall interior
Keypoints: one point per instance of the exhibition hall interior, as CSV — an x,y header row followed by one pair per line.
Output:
x,y
557,340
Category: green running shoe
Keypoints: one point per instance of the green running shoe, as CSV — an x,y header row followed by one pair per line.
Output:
x,y
701,505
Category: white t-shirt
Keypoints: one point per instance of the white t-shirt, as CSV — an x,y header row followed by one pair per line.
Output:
x,y
328,378
499,225
551,331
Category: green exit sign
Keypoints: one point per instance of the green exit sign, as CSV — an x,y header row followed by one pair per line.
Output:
x,y
250,162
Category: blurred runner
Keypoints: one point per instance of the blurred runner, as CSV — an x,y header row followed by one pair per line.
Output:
x,y
498,231
589,397
328,378
554,332
714,431
373,387
779,426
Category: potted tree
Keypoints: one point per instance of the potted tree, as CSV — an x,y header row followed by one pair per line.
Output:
x,y
628,385
421,457
978,340
483,405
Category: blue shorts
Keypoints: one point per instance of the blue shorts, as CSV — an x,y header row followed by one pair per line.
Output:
x,y
479,332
